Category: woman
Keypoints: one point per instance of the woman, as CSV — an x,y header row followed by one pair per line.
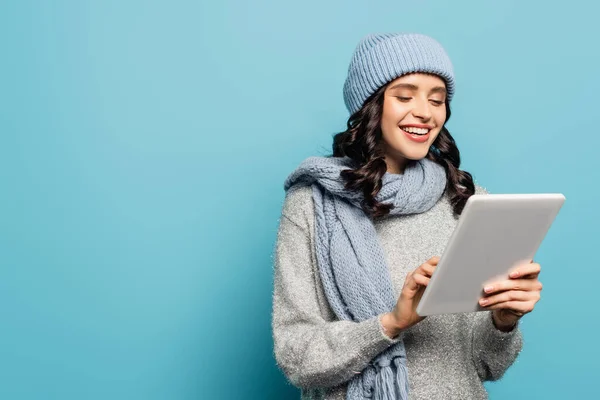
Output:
x,y
360,235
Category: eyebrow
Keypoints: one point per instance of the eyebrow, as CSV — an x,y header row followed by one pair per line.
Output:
x,y
436,89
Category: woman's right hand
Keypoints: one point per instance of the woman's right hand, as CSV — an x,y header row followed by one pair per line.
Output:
x,y
404,315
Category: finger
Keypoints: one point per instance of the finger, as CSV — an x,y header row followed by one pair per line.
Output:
x,y
531,276
522,307
409,282
426,269
434,260
421,279
514,284
413,283
511,295
531,269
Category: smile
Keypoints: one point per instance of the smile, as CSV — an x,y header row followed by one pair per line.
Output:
x,y
419,135
416,131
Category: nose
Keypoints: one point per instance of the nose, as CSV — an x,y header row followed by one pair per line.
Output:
x,y
422,109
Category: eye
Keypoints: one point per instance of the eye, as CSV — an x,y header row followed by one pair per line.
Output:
x,y
403,99
437,102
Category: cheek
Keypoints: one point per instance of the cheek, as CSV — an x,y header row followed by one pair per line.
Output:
x,y
391,117
440,116
389,129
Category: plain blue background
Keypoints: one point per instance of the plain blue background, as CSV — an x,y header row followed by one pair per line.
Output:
x,y
143,150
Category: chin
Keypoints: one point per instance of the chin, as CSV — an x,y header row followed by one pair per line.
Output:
x,y
415,155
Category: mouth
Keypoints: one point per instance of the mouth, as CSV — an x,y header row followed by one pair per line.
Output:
x,y
416,134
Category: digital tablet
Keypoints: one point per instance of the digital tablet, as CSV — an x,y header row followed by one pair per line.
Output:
x,y
494,233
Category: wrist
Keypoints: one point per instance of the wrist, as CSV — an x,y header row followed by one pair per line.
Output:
x,y
503,324
390,326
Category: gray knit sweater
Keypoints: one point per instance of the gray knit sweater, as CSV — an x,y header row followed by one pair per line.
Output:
x,y
448,356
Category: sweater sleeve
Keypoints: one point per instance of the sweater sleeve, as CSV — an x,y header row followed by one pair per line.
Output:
x,y
493,350
311,351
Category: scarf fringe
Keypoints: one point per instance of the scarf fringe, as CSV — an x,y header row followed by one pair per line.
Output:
x,y
401,379
384,384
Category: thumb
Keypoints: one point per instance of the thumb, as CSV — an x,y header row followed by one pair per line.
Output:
x,y
411,284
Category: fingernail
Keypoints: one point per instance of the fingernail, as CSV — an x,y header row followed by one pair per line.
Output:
x,y
514,274
483,302
488,289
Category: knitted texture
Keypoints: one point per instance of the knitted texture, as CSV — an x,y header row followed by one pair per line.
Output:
x,y
352,265
381,58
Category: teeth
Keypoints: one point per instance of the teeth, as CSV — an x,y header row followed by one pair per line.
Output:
x,y
419,131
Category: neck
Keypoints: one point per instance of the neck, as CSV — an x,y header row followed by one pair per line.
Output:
x,y
396,165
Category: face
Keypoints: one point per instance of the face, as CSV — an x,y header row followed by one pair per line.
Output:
x,y
414,113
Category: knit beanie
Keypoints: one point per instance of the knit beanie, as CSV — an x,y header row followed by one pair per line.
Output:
x,y
383,57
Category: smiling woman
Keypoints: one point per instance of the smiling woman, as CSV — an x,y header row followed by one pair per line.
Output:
x,y
355,225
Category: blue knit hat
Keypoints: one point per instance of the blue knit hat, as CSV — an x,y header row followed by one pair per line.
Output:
x,y
381,58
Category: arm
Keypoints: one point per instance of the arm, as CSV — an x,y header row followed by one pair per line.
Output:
x,y
493,350
311,351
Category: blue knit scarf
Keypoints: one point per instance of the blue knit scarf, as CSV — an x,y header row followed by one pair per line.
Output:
x,y
351,262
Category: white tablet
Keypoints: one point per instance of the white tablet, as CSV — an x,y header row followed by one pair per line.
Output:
x,y
494,233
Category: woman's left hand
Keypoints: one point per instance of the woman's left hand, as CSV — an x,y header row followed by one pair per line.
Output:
x,y
510,299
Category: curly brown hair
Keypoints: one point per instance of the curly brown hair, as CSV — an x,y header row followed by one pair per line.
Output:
x,y
361,142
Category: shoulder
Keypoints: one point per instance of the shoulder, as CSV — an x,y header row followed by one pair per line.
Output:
x,y
298,205
480,189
